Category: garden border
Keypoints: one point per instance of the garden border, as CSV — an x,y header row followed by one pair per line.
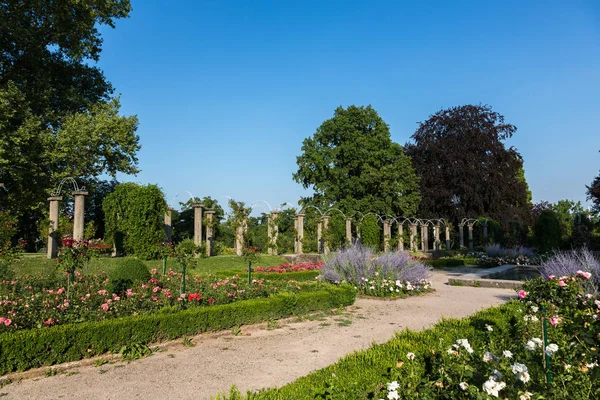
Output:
x,y
22,350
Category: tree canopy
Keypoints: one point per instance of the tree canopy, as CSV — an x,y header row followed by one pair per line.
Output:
x,y
593,193
58,117
352,163
465,168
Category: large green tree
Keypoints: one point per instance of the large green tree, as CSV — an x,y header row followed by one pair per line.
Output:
x,y
58,116
465,168
352,163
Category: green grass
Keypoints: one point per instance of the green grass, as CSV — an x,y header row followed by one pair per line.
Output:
x,y
37,264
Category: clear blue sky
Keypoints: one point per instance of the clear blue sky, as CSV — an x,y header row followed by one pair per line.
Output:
x,y
227,91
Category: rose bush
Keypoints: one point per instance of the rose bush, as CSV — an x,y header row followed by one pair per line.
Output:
x,y
33,302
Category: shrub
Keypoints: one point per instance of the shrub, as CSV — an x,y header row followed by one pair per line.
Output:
x,y
126,273
370,233
392,271
498,251
21,350
568,263
548,232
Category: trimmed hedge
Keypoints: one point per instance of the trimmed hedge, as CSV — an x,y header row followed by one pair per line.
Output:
x,y
22,350
355,375
272,276
444,263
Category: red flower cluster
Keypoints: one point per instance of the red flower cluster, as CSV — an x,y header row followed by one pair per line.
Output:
x,y
194,296
291,268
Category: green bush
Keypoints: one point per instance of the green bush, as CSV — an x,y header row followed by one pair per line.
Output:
x,y
126,273
33,348
370,233
444,263
548,232
135,219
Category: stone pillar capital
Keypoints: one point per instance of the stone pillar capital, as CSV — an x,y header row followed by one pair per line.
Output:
x,y
55,198
197,205
80,193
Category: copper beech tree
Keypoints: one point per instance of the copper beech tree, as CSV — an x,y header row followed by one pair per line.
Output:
x,y
465,168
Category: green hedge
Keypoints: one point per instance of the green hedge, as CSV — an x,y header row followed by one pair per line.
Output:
x,y
444,263
353,376
272,276
22,350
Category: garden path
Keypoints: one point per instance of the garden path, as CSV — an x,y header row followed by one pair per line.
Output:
x,y
266,357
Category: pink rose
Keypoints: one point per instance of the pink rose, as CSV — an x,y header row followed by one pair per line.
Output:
x,y
562,284
585,275
551,277
156,289
555,320
522,294
104,306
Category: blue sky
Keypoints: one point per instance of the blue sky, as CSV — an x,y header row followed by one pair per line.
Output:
x,y
227,91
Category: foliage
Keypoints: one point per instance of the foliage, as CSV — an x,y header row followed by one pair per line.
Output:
x,y
370,232
74,255
183,221
390,274
351,163
135,218
134,351
127,273
569,263
24,349
547,230
9,253
593,193
57,116
465,169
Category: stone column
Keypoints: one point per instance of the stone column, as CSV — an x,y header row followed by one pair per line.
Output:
x,y
386,235
239,239
348,230
52,236
400,237
326,230
436,237
168,224
413,237
296,234
198,211
79,217
423,237
461,233
470,236
273,232
447,237
209,232
320,237
300,232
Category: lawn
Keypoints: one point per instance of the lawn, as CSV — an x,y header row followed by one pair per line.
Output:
x,y
34,264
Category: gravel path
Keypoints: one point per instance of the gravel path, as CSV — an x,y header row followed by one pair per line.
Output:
x,y
263,358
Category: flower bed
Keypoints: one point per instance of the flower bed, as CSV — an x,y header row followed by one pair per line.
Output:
x,y
392,274
503,352
24,349
33,302
282,268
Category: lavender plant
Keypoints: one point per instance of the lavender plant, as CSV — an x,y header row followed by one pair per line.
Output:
x,y
568,263
392,273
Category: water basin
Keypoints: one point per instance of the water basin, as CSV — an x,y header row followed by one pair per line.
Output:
x,y
518,273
